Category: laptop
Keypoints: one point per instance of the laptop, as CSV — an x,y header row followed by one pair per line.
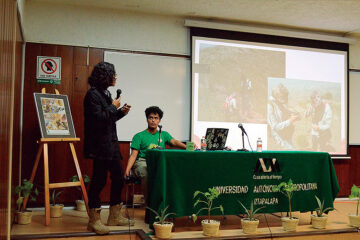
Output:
x,y
216,138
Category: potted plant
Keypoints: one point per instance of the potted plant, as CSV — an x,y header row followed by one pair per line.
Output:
x,y
210,227
287,188
55,209
23,216
250,224
355,219
319,220
80,204
162,228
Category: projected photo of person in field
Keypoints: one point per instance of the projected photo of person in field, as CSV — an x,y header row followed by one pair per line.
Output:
x,y
238,103
234,87
321,117
281,119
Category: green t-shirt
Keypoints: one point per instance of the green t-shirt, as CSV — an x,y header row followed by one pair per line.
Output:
x,y
142,140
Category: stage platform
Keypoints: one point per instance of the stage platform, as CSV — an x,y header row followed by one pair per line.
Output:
x,y
73,226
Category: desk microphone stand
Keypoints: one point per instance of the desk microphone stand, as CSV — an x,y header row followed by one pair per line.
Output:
x,y
158,147
243,148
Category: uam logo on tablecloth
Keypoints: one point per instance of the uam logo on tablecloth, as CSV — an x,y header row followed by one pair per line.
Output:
x,y
48,70
267,165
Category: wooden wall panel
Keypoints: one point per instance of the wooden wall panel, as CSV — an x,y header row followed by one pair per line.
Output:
x,y
7,82
16,122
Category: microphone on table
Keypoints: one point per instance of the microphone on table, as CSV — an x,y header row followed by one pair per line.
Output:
x,y
118,93
158,147
242,128
243,132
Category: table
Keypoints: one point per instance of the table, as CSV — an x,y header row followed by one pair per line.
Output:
x,y
174,176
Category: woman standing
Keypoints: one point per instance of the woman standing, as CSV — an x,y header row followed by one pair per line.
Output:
x,y
101,144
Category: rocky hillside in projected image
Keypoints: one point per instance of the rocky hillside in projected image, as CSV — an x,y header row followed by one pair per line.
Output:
x,y
235,89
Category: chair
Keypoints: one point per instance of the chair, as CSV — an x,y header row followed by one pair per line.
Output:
x,y
130,183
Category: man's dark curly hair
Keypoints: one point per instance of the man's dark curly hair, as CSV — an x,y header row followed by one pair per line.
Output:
x,y
154,110
102,76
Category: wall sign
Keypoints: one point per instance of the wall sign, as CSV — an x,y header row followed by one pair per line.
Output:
x,y
48,70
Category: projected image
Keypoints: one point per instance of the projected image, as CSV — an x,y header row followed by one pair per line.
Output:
x,y
293,98
236,82
304,115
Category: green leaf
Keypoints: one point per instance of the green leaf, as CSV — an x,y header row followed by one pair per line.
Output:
x,y
19,201
86,178
196,193
258,209
328,209
168,214
222,209
246,210
194,217
318,202
155,212
196,203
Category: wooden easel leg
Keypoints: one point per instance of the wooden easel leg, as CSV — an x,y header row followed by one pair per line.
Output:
x,y
46,185
83,189
38,155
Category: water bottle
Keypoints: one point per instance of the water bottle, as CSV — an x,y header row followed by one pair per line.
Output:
x,y
203,144
259,145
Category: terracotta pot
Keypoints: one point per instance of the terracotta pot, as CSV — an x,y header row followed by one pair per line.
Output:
x,y
354,220
210,228
289,225
249,227
23,217
319,222
56,211
163,231
80,205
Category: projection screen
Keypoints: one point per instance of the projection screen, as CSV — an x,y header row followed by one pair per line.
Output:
x,y
292,97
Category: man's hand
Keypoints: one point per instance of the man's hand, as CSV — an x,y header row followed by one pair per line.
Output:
x,y
126,109
127,173
117,102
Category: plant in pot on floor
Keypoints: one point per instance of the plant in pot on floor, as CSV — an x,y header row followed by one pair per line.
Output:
x,y
319,220
80,204
23,216
355,219
210,227
250,224
287,188
162,227
56,210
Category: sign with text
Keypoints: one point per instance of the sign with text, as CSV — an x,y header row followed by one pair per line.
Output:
x,y
48,70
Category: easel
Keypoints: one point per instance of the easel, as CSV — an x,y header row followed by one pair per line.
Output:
x,y
47,186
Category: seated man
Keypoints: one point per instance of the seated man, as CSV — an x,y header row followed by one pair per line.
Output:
x,y
142,141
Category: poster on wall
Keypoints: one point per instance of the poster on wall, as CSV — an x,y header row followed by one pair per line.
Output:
x,y
48,70
54,115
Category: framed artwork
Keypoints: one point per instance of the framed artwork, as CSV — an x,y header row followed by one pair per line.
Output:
x,y
54,116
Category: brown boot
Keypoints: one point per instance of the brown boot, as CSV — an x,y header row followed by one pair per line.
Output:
x,y
95,224
116,218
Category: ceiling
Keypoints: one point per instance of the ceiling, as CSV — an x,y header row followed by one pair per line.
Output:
x,y
340,17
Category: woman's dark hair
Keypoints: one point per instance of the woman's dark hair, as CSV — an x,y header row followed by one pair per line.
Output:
x,y
154,110
102,76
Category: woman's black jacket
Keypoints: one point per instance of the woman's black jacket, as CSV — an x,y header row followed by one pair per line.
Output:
x,y
100,117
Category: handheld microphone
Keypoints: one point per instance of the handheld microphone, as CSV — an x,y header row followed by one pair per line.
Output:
x,y
118,93
242,128
160,126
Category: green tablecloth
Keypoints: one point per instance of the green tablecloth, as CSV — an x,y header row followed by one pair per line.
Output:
x,y
174,176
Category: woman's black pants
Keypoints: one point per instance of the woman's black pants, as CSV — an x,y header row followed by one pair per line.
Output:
x,y
101,167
